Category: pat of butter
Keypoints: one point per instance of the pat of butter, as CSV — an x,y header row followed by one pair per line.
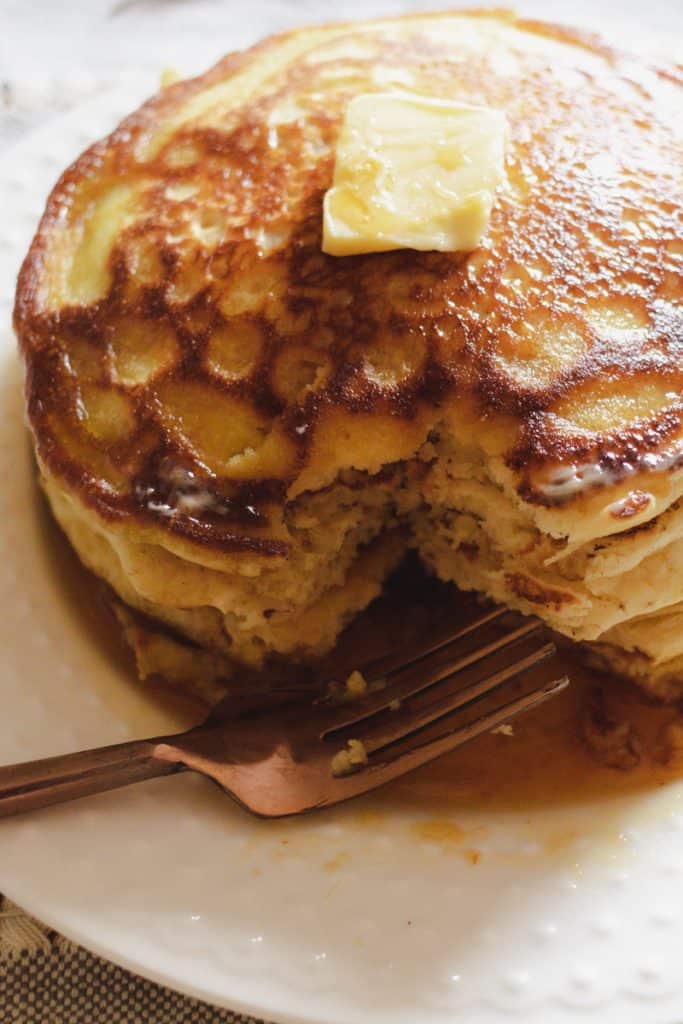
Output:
x,y
413,172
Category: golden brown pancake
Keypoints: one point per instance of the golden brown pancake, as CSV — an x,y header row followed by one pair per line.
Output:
x,y
242,434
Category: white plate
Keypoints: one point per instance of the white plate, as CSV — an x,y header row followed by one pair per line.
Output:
x,y
374,912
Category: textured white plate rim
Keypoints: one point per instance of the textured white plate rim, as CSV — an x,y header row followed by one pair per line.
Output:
x,y
249,1008
627,1000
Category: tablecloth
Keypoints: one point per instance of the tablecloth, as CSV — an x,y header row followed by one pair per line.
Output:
x,y
45,979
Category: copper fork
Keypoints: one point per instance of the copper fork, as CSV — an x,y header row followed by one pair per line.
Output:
x,y
284,759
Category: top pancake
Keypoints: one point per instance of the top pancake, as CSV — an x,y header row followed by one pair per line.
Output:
x,y
195,361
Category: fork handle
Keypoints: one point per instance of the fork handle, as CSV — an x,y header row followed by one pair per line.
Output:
x,y
53,780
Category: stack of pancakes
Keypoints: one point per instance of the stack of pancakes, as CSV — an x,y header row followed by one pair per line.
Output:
x,y
243,435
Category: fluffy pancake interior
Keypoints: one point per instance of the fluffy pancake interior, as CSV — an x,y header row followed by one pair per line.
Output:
x,y
625,588
345,541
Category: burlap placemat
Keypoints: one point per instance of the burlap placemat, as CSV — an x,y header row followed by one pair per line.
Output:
x,y
45,979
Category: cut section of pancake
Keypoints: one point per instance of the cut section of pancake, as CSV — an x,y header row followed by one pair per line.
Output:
x,y
241,433
286,609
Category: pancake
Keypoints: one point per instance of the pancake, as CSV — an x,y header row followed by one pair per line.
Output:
x,y
242,434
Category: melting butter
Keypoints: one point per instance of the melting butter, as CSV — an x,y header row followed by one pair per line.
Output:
x,y
413,172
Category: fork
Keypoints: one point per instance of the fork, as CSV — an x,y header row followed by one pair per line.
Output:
x,y
280,755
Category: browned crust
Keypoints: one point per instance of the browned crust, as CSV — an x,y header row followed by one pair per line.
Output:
x,y
538,593
245,505
634,503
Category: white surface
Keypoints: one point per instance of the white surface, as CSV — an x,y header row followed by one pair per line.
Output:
x,y
173,881
54,53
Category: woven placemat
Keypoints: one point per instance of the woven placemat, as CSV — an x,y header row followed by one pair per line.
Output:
x,y
45,979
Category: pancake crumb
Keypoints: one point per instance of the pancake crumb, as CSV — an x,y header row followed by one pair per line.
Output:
x,y
350,760
356,684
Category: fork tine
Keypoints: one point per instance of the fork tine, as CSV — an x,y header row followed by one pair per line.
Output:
x,y
384,768
422,674
400,726
403,656
420,753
